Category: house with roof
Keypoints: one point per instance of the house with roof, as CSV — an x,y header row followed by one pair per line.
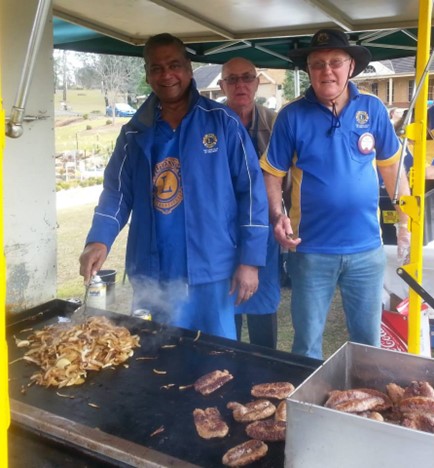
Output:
x,y
207,78
270,89
393,81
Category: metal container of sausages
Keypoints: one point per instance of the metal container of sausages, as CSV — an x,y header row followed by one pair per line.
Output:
x,y
326,438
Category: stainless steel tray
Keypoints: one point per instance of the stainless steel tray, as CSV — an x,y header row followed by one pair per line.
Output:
x,y
326,438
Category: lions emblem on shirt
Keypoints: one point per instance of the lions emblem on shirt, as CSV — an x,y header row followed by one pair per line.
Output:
x,y
167,185
209,141
362,117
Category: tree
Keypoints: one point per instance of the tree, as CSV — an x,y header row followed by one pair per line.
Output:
x,y
289,84
63,71
144,88
87,77
56,71
118,76
65,74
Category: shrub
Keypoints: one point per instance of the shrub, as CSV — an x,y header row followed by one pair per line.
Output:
x,y
63,185
88,127
85,116
108,122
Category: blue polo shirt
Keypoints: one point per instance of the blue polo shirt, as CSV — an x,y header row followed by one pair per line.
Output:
x,y
334,199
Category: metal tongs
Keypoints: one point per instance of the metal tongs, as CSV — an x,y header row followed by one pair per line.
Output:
x,y
80,312
416,287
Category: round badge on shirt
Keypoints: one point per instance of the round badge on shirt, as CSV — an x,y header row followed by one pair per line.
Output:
x,y
366,143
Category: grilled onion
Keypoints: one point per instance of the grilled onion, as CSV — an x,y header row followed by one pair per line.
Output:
x,y
65,353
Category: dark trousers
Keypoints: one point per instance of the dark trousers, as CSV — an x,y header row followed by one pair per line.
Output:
x,y
262,329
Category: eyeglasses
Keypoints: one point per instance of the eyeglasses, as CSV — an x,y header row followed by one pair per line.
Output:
x,y
234,79
334,64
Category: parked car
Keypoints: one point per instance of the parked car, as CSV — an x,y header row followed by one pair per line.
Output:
x,y
222,99
121,110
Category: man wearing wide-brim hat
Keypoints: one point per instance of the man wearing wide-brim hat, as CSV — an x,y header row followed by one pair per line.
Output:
x,y
332,140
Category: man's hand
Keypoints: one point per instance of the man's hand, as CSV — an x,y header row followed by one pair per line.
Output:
x,y
283,232
246,281
389,174
282,225
403,242
92,259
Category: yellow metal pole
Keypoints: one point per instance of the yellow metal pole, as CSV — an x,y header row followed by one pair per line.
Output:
x,y
4,398
414,205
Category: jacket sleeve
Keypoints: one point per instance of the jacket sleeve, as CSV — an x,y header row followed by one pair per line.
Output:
x,y
114,206
251,197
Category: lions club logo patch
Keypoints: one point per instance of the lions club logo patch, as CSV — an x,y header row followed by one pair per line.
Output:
x,y
362,117
322,38
168,192
210,141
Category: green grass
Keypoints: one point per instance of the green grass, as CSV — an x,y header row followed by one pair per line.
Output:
x,y
88,101
73,225
92,136
95,134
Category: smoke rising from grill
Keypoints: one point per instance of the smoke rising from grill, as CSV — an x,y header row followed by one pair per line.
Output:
x,y
162,301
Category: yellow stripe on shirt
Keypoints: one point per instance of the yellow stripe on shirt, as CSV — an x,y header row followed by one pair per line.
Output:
x,y
267,167
390,161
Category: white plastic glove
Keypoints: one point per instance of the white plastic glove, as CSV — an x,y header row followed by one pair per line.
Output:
x,y
403,242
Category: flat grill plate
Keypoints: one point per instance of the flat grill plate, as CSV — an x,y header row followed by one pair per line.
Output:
x,y
133,401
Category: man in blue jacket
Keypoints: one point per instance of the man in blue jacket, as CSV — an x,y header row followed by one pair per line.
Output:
x,y
185,169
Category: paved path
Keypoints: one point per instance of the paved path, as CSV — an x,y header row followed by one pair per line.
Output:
x,y
78,196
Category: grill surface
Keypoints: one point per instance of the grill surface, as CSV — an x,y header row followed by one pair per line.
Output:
x,y
132,402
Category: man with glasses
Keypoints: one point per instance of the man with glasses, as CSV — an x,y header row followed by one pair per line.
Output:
x,y
332,139
186,170
240,83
